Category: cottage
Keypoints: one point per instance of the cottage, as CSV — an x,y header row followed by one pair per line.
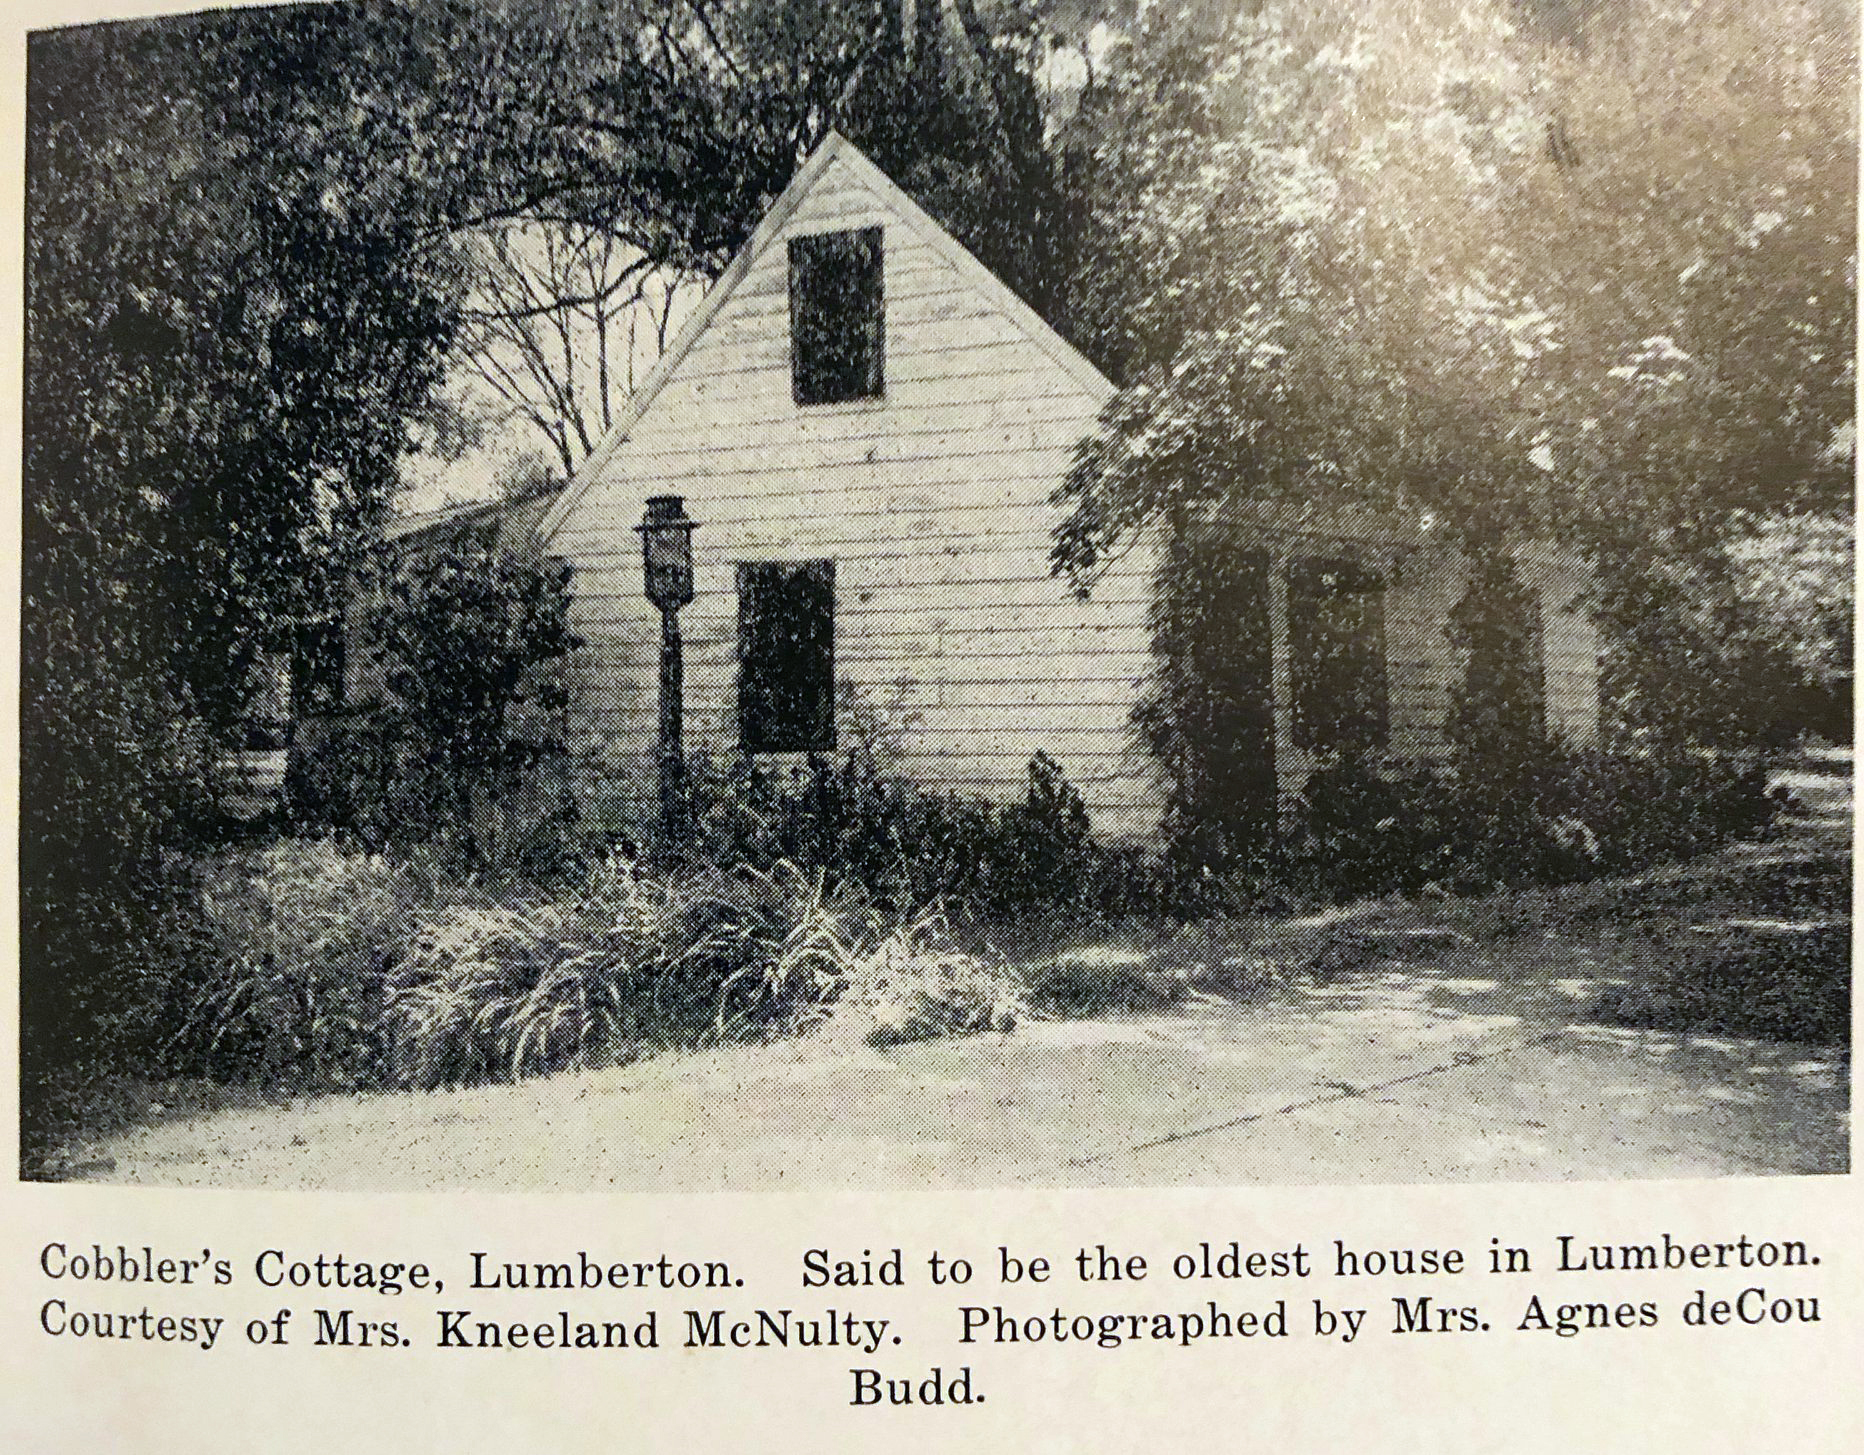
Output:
x,y
869,426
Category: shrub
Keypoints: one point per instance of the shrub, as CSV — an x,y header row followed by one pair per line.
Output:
x,y
285,976
1369,826
462,728
1365,826
114,959
792,938
453,1006
1692,655
908,848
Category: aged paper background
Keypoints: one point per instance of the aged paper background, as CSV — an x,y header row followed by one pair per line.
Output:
x,y
1669,1389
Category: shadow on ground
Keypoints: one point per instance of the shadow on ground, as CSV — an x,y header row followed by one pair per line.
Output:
x,y
1470,1040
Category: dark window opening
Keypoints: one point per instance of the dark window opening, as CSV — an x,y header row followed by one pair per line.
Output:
x,y
317,669
1503,695
786,657
837,317
1336,643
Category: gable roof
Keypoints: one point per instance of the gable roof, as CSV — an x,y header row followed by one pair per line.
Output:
x,y
835,148
400,527
511,521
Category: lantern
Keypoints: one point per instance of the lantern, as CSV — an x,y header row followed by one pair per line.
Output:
x,y
667,561
667,552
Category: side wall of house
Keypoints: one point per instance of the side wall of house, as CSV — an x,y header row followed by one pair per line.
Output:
x,y
1424,588
952,641
1424,578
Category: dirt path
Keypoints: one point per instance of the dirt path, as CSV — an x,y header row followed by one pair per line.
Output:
x,y
1455,1055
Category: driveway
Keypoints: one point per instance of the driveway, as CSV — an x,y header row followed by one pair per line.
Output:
x,y
1390,1043
1458,1063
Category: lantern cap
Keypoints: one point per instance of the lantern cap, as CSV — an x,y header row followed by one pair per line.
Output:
x,y
666,510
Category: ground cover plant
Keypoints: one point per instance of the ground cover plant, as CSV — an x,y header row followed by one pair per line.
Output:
x,y
1368,826
315,967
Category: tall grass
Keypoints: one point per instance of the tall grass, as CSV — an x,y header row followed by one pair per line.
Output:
x,y
287,957
639,962
799,938
914,982
499,994
324,967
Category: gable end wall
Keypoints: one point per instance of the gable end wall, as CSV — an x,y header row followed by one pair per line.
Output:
x,y
933,502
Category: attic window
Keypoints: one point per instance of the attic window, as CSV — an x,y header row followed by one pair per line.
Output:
x,y
1336,649
837,317
786,657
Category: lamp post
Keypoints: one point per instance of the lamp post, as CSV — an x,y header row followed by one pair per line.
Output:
x,y
667,560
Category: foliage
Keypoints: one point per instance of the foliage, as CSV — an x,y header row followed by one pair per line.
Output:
x,y
96,1003
284,979
1687,662
1521,811
1196,723
462,647
1594,279
907,847
499,993
1366,826
1694,657
1797,573
638,961
913,983
227,332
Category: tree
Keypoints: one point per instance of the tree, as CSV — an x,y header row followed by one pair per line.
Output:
x,y
561,319
1590,281
233,314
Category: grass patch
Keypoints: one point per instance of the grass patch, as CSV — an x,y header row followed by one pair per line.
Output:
x,y
78,1113
916,982
1770,983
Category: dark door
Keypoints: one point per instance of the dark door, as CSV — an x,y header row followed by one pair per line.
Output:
x,y
1229,697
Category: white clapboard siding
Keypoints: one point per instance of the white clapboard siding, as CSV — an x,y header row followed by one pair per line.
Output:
x,y
1571,644
735,424
933,501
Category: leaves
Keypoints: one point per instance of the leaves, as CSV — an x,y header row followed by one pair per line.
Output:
x,y
464,644
1574,282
